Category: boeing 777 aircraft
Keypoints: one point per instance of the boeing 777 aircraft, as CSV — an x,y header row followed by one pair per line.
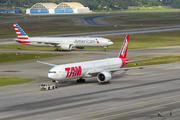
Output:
x,y
103,69
65,43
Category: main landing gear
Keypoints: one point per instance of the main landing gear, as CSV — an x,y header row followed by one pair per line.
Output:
x,y
57,49
105,48
80,80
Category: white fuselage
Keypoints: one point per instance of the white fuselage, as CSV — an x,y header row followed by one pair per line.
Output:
x,y
74,41
81,69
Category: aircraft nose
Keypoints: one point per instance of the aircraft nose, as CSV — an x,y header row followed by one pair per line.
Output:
x,y
110,43
50,76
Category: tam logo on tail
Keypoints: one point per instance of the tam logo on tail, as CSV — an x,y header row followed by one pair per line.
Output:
x,y
20,33
124,48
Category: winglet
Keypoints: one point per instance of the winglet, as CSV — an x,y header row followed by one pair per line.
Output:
x,y
20,33
123,52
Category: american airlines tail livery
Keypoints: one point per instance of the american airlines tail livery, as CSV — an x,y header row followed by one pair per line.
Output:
x,y
103,68
65,43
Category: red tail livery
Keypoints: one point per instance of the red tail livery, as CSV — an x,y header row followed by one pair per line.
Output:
x,y
124,48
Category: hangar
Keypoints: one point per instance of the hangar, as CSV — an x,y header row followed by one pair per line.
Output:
x,y
71,7
40,8
51,8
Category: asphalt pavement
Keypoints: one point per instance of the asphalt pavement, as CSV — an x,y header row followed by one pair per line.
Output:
x,y
136,94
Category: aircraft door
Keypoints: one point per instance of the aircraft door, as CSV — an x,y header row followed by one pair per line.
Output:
x,y
94,67
62,73
109,66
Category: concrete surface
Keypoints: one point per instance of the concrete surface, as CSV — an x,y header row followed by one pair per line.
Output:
x,y
137,94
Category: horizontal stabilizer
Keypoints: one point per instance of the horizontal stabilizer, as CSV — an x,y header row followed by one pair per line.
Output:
x,y
138,60
47,63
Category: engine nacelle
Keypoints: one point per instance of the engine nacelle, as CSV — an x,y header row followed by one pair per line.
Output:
x,y
104,77
80,47
66,46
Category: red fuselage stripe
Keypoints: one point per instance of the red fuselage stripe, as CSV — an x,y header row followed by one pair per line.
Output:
x,y
24,41
22,38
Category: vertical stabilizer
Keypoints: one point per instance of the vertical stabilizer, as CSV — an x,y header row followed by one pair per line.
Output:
x,y
20,33
124,48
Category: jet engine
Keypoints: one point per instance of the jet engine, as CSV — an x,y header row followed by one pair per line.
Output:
x,y
80,47
66,46
104,77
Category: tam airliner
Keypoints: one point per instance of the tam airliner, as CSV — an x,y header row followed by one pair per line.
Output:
x,y
65,43
103,68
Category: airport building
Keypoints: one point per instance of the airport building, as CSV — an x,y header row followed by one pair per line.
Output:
x,y
41,8
52,8
11,10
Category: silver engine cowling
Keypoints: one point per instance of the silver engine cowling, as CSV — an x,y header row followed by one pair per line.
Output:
x,y
104,77
66,46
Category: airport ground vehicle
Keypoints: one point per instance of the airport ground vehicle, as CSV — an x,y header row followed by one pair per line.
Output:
x,y
47,87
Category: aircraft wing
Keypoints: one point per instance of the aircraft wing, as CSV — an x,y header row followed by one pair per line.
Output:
x,y
125,69
56,43
47,63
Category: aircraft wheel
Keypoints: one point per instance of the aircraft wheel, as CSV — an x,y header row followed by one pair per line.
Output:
x,y
80,80
83,80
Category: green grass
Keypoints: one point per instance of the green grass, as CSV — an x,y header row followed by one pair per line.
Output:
x,y
145,40
6,57
147,19
150,11
43,28
155,61
149,8
23,46
11,81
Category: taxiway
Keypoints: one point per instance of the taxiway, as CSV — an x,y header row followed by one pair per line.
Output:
x,y
136,94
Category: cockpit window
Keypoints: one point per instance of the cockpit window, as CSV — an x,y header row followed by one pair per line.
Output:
x,y
109,41
52,71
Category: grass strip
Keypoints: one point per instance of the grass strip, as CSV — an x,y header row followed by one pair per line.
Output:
x,y
145,40
155,61
11,81
55,27
23,46
147,19
6,57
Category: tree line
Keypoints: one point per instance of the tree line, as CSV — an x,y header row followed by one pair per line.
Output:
x,y
93,4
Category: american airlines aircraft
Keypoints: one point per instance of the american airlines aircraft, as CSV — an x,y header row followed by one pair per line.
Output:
x,y
103,68
65,43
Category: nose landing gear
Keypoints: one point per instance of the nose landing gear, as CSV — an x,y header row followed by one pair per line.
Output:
x,y
105,47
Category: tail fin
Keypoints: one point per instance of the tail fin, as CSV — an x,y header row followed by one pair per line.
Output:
x,y
20,33
124,48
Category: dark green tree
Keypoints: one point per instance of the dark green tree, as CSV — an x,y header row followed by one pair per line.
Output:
x,y
176,4
9,4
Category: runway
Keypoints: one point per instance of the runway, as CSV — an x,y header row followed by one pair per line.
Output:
x,y
132,95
